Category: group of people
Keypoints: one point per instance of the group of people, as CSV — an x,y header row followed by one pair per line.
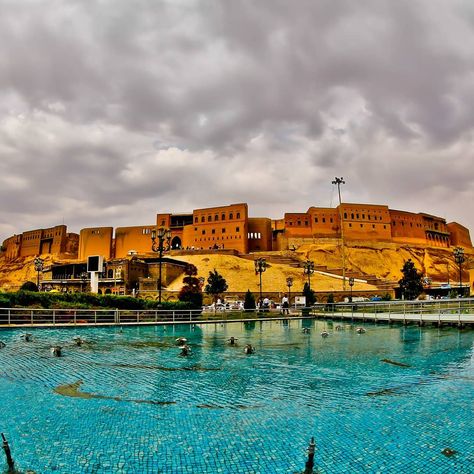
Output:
x,y
265,304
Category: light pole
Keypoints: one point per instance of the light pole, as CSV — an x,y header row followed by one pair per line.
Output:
x,y
39,265
163,235
289,284
460,259
351,284
260,267
338,182
308,269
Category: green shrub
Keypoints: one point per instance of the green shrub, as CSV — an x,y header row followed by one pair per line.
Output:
x,y
82,300
249,302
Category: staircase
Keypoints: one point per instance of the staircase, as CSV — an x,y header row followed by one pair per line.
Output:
x,y
270,257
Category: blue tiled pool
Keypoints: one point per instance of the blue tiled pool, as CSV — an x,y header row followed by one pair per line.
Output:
x,y
392,400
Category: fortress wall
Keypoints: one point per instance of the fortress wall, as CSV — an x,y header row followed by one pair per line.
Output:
x,y
12,247
407,227
137,238
95,241
259,234
297,224
459,235
325,222
366,222
219,226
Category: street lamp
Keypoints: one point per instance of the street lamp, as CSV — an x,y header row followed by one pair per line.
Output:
x,y
163,235
351,284
39,265
338,182
459,259
289,284
260,267
308,269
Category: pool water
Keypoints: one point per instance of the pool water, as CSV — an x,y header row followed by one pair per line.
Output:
x,y
393,400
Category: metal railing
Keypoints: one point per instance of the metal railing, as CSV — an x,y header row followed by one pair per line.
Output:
x,y
453,310
77,317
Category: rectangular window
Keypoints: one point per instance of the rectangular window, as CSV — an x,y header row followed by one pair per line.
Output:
x,y
203,232
324,219
237,229
213,231
223,230
316,219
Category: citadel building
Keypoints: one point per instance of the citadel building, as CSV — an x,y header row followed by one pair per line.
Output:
x,y
231,228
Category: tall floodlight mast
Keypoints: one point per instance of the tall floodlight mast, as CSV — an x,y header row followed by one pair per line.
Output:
x,y
338,182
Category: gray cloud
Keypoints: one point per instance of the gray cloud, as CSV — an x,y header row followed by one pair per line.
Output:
x,y
112,111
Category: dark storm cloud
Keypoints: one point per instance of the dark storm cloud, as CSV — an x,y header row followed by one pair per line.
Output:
x,y
112,111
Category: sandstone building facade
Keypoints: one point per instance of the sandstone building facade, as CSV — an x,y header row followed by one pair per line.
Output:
x,y
230,228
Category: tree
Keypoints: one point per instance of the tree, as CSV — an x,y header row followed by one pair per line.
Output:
x,y
309,294
29,286
249,301
216,285
411,285
191,292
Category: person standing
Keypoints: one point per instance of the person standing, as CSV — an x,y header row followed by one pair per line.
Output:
x,y
285,305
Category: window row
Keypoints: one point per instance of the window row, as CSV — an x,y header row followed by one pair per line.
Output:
x,y
216,217
213,231
204,239
323,220
363,225
254,235
357,216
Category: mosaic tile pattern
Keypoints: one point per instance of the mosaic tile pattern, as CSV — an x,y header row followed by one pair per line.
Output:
x,y
388,401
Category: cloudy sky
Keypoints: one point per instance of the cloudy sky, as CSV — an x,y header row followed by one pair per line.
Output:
x,y
114,110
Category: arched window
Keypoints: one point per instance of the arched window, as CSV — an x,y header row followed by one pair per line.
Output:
x,y
216,217
238,215
231,216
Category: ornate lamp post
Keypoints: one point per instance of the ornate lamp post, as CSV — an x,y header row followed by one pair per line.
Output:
x,y
338,182
308,269
289,284
39,265
164,236
459,259
260,267
351,284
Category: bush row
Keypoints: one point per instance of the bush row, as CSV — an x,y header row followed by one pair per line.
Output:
x,y
82,300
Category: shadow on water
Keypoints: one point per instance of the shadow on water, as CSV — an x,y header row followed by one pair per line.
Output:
x,y
73,390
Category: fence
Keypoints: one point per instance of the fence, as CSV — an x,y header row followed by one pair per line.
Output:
x,y
77,317
459,311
